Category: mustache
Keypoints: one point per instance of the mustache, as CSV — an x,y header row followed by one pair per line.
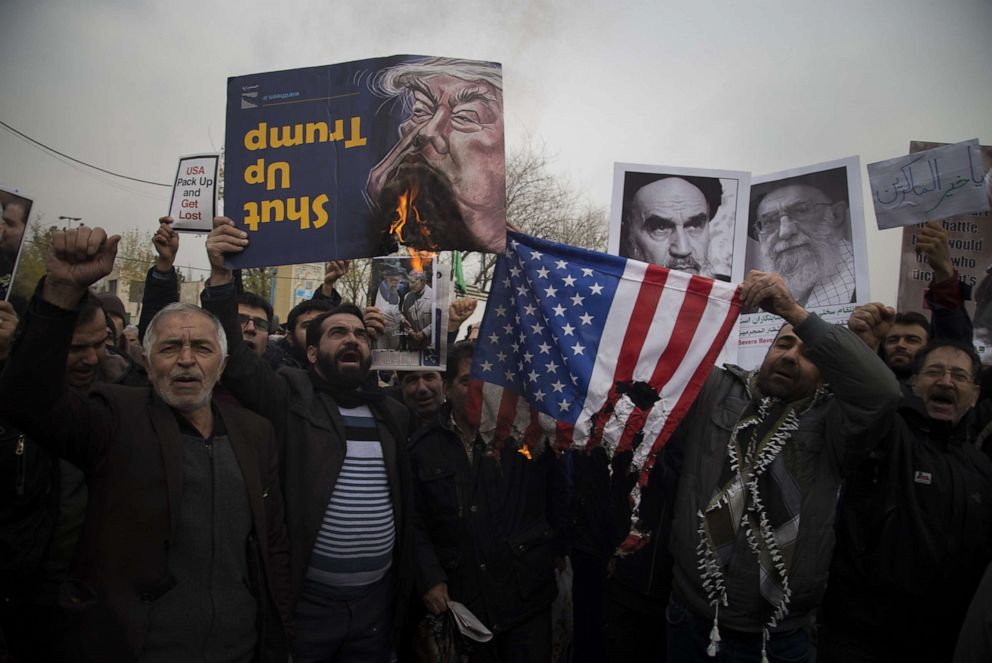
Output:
x,y
185,375
685,264
786,367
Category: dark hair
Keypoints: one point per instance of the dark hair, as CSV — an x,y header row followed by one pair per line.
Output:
x,y
936,344
253,300
314,328
912,318
92,306
459,351
401,375
305,307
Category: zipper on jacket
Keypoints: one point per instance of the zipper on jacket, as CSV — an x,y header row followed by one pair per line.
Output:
x,y
21,462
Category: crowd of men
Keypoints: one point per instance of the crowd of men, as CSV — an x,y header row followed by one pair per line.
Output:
x,y
224,492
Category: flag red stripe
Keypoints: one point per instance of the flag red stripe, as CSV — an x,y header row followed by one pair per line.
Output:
x,y
692,387
506,415
694,304
641,317
534,433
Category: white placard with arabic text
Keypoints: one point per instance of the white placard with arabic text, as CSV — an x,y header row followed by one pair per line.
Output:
x,y
935,184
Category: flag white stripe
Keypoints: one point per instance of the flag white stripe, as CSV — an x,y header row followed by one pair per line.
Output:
x,y
704,337
614,331
659,334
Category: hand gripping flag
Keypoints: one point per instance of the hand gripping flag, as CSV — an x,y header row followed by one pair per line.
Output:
x,y
587,349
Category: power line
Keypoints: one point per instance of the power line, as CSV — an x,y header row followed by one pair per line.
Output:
x,y
79,161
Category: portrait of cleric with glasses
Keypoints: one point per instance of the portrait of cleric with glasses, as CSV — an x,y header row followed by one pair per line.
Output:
x,y
803,231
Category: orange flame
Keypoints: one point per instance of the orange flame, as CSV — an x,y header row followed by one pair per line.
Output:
x,y
419,258
407,211
524,451
403,207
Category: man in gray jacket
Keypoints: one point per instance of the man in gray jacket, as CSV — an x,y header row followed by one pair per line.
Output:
x,y
753,520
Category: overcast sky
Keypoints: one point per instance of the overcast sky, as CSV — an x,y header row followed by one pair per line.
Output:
x,y
130,85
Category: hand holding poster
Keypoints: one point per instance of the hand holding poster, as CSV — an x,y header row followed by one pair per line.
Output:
x,y
16,212
806,224
937,183
194,204
969,243
347,160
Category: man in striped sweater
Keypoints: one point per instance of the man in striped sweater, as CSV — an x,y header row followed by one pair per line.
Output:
x,y
346,474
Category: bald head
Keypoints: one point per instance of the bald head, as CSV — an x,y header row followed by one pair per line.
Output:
x,y
668,225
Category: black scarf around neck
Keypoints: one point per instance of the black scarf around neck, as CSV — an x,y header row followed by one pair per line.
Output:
x,y
365,394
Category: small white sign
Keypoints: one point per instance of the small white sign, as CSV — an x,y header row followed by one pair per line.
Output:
x,y
193,194
934,184
922,477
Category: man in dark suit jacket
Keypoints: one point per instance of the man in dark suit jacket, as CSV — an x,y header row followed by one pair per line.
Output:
x,y
184,551
346,474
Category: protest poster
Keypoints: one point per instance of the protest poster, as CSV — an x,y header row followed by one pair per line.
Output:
x,y
808,225
681,218
349,160
16,213
194,203
412,293
937,183
970,239
690,219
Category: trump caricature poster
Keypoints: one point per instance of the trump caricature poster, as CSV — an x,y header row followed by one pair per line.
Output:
x,y
349,160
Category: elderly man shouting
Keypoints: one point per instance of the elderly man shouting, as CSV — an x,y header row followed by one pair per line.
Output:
x,y
184,553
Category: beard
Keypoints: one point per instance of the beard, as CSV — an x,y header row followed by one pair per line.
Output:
x,y
802,266
343,377
772,383
185,402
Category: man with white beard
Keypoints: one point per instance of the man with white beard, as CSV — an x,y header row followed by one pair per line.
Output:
x,y
801,233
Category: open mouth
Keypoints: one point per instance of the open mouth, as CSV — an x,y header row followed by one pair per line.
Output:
x,y
435,212
184,382
943,399
349,357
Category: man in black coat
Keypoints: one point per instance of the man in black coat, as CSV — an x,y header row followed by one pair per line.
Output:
x,y
183,552
492,526
346,474
914,528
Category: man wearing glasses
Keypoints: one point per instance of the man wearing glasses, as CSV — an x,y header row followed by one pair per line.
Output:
x,y
914,527
255,317
803,236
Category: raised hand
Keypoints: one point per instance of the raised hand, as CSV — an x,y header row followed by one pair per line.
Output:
x,y
871,322
223,239
8,325
767,291
77,259
375,322
459,311
932,242
332,272
166,243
